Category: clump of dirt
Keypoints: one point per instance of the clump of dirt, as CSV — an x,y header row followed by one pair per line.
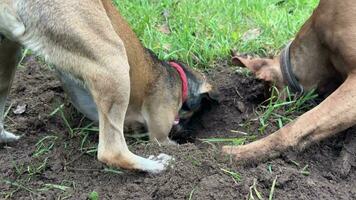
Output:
x,y
199,172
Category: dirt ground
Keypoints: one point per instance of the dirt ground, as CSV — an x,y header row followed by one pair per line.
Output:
x,y
199,171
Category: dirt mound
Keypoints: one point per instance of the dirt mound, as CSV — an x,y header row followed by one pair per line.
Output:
x,y
51,162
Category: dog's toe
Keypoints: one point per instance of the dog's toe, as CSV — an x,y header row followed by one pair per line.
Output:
x,y
7,137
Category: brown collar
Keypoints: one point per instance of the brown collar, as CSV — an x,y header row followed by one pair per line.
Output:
x,y
287,71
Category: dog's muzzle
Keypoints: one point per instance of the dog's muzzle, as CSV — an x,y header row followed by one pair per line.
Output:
x,y
287,71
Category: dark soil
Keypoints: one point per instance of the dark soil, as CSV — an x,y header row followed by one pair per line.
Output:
x,y
198,171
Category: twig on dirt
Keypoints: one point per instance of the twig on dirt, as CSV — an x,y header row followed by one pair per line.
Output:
x,y
238,132
238,93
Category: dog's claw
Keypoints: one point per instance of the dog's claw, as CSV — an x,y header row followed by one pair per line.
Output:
x,y
7,137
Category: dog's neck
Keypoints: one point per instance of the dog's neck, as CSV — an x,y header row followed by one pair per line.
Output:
x,y
310,60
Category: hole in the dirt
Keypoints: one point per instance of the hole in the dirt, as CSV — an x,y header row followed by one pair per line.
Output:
x,y
185,132
239,96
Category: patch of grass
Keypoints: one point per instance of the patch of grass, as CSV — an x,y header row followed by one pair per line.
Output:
x,y
234,175
37,168
201,31
44,145
279,110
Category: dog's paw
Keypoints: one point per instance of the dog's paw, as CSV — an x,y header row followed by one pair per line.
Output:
x,y
7,137
158,164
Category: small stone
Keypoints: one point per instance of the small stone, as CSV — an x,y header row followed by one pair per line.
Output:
x,y
241,106
20,109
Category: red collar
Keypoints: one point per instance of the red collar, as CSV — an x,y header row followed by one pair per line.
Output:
x,y
183,78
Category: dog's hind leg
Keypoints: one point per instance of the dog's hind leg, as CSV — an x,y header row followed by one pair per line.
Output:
x,y
334,114
9,54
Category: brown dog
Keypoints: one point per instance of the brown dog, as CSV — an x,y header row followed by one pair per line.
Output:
x,y
322,56
91,43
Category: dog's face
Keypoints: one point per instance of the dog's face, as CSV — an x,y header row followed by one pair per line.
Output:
x,y
200,92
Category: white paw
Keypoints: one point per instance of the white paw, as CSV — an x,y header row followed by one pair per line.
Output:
x,y
156,164
7,137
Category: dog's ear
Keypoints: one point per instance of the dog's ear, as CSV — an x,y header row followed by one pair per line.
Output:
x,y
205,94
210,93
264,68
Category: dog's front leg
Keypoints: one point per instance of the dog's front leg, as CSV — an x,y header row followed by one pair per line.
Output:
x,y
159,119
9,54
334,114
110,87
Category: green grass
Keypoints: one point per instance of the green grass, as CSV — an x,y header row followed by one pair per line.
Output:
x,y
203,31
283,107
234,175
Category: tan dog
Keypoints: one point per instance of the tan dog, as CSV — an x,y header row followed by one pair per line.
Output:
x,y
322,56
91,43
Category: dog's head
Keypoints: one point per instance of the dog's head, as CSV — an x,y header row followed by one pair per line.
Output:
x,y
266,69
200,93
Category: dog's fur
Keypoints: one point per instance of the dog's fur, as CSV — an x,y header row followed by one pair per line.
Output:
x,y
323,57
89,40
